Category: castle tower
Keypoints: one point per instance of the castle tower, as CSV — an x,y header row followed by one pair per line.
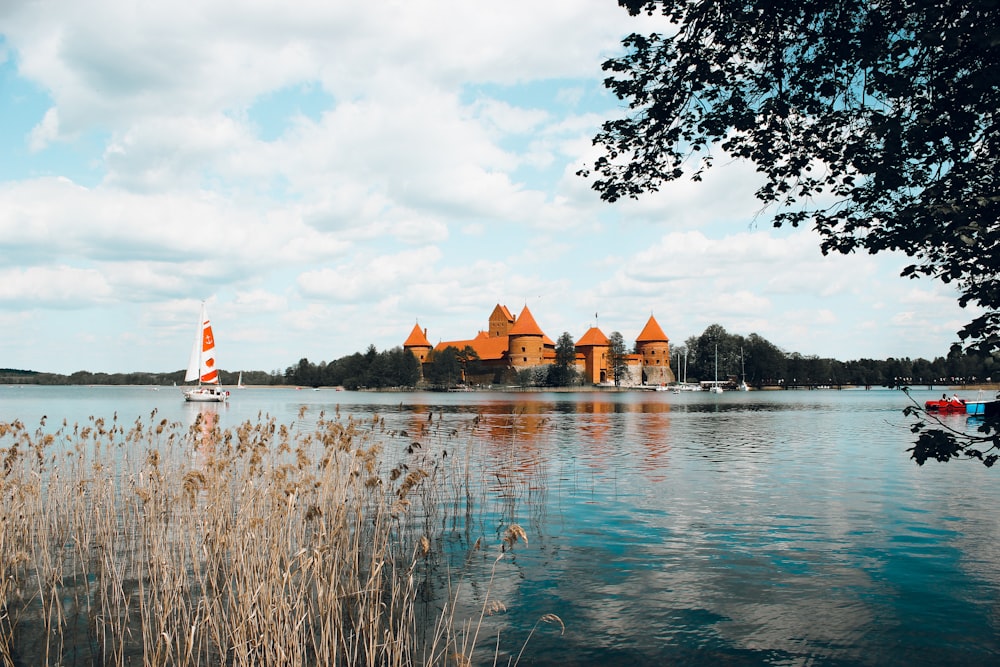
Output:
x,y
594,348
418,344
500,321
526,342
654,348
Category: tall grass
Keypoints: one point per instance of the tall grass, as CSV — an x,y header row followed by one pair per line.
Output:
x,y
266,544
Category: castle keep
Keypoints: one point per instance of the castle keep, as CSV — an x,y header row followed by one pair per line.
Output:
x,y
514,343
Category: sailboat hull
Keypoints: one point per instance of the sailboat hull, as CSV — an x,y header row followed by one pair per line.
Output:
x,y
206,395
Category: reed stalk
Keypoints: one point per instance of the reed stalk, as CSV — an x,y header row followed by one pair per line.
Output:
x,y
321,543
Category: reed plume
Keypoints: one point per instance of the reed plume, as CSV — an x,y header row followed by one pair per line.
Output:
x,y
312,543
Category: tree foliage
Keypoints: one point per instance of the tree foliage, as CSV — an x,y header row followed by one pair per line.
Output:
x,y
617,357
876,122
563,372
765,364
228,378
373,369
444,369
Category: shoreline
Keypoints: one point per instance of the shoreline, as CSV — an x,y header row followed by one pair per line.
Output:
x,y
988,386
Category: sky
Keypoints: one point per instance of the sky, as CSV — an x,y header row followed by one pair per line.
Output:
x,y
324,174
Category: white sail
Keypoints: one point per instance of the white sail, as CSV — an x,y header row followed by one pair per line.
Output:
x,y
201,366
194,362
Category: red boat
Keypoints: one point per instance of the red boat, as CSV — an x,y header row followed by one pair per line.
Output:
x,y
953,404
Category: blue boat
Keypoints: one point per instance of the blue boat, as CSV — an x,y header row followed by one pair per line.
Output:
x,y
983,408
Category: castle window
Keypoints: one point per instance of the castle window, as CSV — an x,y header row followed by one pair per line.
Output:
x,y
522,350
526,358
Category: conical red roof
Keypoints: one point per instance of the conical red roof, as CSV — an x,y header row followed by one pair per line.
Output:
x,y
526,325
594,336
652,333
417,338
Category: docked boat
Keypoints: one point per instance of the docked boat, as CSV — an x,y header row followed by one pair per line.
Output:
x,y
983,407
716,389
683,385
743,386
201,366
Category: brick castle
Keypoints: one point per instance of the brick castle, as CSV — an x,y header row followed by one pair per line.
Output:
x,y
512,344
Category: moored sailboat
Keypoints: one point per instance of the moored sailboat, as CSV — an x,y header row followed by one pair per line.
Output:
x,y
201,366
743,373
716,389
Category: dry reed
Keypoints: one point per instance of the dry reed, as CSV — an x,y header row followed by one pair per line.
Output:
x,y
160,544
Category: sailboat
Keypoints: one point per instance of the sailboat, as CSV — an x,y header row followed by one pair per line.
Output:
x,y
716,389
743,372
239,382
201,366
684,385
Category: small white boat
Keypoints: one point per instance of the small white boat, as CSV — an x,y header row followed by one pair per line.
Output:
x,y
743,373
685,386
716,389
239,382
201,366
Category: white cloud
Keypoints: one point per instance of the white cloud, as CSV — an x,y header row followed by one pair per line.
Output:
x,y
371,279
54,287
45,132
342,169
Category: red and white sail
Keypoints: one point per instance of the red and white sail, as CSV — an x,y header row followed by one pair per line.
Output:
x,y
201,366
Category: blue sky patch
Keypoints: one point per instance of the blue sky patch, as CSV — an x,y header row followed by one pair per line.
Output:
x,y
271,113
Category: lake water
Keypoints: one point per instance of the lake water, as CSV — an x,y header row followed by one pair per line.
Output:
x,y
760,528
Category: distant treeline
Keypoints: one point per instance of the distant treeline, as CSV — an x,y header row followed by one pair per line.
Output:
x,y
764,364
761,362
372,370
12,376
751,357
